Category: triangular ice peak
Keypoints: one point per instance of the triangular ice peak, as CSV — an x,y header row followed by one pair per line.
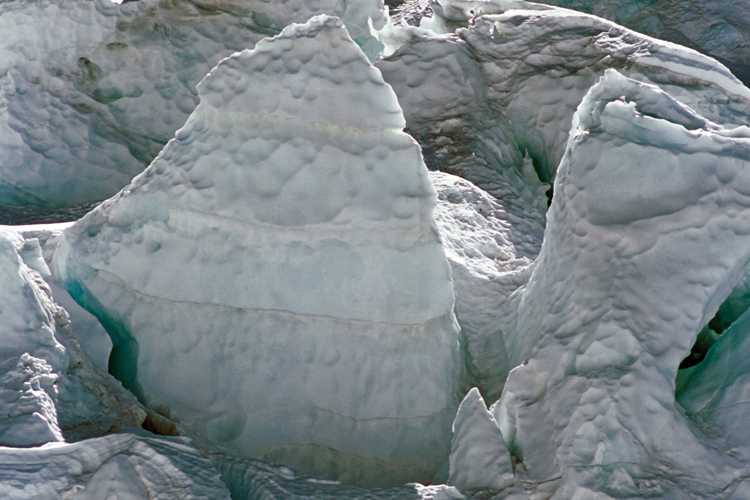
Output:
x,y
278,263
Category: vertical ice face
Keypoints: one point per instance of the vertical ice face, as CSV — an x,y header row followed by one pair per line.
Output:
x,y
647,234
274,279
93,90
490,248
493,101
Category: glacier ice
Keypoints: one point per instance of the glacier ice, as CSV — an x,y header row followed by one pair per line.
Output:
x,y
503,86
94,90
50,389
123,466
57,407
278,263
719,29
492,100
490,244
715,392
31,356
647,234
479,459
276,282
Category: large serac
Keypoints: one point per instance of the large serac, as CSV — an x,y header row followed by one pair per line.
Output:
x,y
274,280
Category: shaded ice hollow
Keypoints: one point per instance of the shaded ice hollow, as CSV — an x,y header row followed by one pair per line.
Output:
x,y
279,262
50,390
50,393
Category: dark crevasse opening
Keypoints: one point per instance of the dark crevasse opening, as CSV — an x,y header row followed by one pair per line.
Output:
x,y
730,310
123,359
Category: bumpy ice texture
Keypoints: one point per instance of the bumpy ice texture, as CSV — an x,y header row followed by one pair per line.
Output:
x,y
250,479
93,90
505,85
490,246
274,279
31,357
492,99
50,393
647,234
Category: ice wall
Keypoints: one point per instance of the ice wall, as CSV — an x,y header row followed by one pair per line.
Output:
x,y
491,98
93,90
646,236
274,279
31,357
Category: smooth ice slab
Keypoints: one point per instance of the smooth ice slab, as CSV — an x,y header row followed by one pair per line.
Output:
x,y
479,459
274,279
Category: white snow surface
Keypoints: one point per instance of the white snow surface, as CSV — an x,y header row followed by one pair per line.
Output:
x,y
646,236
274,279
93,90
